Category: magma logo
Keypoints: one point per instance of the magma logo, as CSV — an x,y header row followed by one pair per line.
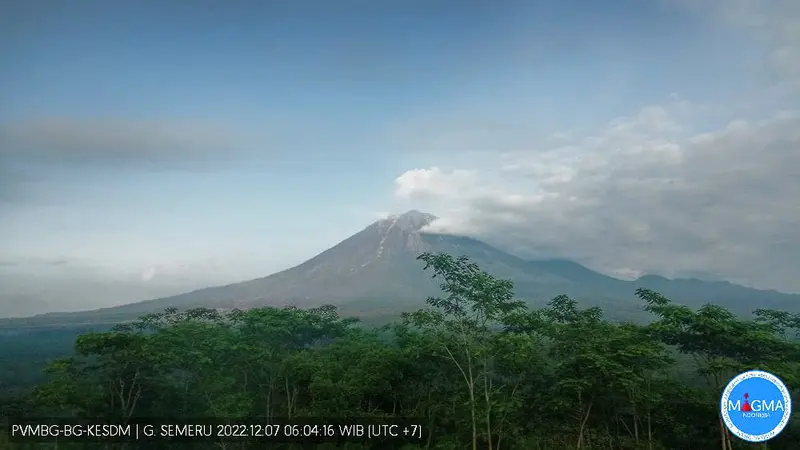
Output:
x,y
756,406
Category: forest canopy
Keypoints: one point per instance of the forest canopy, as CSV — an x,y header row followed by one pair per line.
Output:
x,y
481,370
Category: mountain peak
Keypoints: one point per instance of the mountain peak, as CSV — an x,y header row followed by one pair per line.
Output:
x,y
409,221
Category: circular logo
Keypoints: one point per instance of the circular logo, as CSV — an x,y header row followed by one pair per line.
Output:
x,y
756,406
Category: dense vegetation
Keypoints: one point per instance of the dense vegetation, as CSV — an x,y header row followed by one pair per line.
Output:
x,y
479,368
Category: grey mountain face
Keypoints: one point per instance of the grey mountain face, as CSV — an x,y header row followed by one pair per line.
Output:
x,y
375,273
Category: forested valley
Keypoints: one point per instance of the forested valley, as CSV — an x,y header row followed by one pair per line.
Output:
x,y
477,368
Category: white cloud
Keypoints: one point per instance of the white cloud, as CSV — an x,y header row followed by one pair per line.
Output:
x,y
433,182
148,274
625,273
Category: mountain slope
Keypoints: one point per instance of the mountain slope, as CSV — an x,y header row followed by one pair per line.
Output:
x,y
375,272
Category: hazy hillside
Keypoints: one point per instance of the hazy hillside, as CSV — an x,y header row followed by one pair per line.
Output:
x,y
375,273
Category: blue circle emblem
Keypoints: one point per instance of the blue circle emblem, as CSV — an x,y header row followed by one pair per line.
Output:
x,y
756,406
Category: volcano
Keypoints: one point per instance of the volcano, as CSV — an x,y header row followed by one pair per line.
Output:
x,y
376,273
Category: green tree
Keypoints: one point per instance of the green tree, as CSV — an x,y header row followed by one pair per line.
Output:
x,y
461,319
721,344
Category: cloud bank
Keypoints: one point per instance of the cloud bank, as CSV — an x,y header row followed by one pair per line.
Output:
x,y
655,192
97,141
36,154
634,199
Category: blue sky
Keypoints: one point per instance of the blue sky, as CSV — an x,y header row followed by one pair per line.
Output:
x,y
171,145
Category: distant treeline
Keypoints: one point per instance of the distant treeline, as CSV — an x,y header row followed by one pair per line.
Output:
x,y
480,370
24,351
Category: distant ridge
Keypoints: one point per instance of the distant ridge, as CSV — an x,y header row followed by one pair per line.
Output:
x,y
375,273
